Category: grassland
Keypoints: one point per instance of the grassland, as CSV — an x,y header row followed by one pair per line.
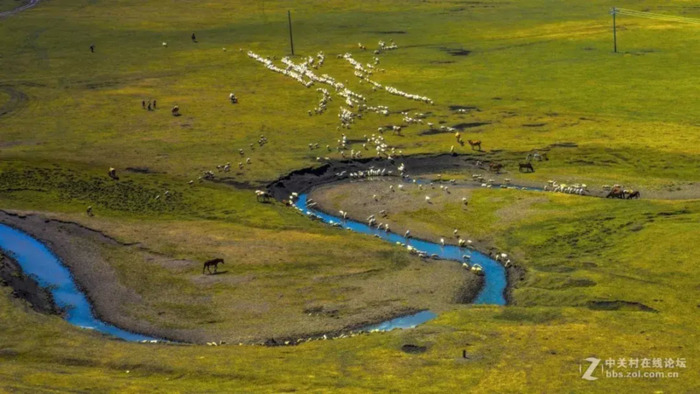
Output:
x,y
539,72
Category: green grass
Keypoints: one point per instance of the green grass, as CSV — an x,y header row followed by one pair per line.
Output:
x,y
633,116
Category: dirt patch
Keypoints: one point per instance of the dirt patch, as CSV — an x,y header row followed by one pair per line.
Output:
x,y
140,170
25,287
619,306
413,349
463,126
534,124
303,180
456,51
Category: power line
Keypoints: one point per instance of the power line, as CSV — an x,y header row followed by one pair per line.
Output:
x,y
649,15
652,15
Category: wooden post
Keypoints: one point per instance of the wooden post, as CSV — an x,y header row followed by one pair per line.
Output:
x,y
291,39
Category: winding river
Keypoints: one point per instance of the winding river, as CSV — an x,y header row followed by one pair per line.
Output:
x,y
493,291
37,261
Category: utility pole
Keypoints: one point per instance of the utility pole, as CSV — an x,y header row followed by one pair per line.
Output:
x,y
291,39
613,12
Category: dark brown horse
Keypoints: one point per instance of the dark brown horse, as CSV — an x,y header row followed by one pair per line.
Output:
x,y
495,167
616,192
525,166
634,194
475,143
210,263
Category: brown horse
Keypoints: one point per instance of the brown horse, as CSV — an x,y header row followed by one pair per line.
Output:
x,y
495,167
210,263
525,166
616,192
634,194
475,143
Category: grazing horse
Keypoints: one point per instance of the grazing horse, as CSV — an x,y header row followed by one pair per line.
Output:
x,y
495,167
113,174
475,143
525,166
616,192
634,194
210,263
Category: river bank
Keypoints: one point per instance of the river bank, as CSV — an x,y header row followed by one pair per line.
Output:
x,y
24,287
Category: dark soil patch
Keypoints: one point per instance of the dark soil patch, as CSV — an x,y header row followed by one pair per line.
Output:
x,y
456,51
413,349
442,62
462,126
140,170
555,268
303,180
534,124
233,182
580,283
26,288
619,306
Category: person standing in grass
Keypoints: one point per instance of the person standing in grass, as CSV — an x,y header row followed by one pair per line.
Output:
x,y
92,48
194,38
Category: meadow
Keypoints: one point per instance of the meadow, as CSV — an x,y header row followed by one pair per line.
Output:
x,y
535,74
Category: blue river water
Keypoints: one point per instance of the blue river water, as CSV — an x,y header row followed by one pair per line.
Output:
x,y
38,261
493,291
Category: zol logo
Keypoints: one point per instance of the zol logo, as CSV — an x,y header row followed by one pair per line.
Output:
x,y
588,375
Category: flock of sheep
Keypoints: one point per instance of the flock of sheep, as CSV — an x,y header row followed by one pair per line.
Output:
x,y
355,103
